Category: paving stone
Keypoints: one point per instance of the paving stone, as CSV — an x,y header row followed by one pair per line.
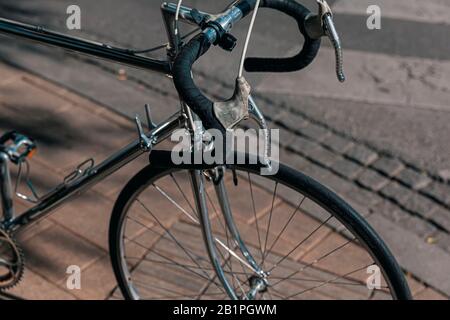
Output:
x,y
293,287
362,154
271,112
35,287
294,232
286,137
430,294
390,211
116,295
337,143
292,121
188,235
160,198
441,216
255,237
414,285
88,217
99,138
441,239
243,206
314,210
445,175
138,247
9,74
363,210
56,90
336,183
420,205
323,156
415,255
372,180
413,179
49,253
361,196
159,281
340,261
303,145
389,166
418,226
292,159
346,168
438,191
97,281
315,171
396,192
113,184
328,291
380,295
34,229
22,97
315,132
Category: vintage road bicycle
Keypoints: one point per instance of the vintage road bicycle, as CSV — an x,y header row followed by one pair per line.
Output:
x,y
202,242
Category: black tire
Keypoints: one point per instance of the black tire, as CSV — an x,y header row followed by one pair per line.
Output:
x,y
307,186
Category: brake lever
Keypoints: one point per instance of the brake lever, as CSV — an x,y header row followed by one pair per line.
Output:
x,y
323,25
330,31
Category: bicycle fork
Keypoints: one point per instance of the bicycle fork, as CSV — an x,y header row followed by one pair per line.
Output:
x,y
258,282
202,208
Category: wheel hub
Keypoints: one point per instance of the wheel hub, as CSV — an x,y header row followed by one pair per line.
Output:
x,y
257,285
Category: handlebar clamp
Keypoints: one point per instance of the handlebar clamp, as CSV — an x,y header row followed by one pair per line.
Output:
x,y
224,39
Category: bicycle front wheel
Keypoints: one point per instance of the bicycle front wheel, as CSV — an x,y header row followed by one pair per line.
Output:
x,y
308,241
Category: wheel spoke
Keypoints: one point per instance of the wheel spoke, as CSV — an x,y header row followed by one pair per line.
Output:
x,y
284,227
178,264
173,262
183,194
327,282
161,249
234,254
300,243
175,203
316,261
171,235
270,221
254,212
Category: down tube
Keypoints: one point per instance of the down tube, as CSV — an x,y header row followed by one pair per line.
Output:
x,y
66,192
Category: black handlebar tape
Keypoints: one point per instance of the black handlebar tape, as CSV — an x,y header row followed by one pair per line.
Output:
x,y
303,58
246,6
182,78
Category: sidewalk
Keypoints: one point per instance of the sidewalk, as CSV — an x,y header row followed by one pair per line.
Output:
x,y
408,207
68,130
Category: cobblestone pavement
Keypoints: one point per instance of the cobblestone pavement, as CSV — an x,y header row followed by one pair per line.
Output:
x,y
408,206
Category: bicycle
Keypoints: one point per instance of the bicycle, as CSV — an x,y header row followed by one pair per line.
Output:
x,y
216,249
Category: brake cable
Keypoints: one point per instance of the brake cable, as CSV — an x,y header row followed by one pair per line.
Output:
x,y
247,39
162,46
177,16
187,35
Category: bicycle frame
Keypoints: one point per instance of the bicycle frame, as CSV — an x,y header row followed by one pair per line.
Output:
x,y
66,191
183,119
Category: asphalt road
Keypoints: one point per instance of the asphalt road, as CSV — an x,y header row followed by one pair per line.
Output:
x,y
396,98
